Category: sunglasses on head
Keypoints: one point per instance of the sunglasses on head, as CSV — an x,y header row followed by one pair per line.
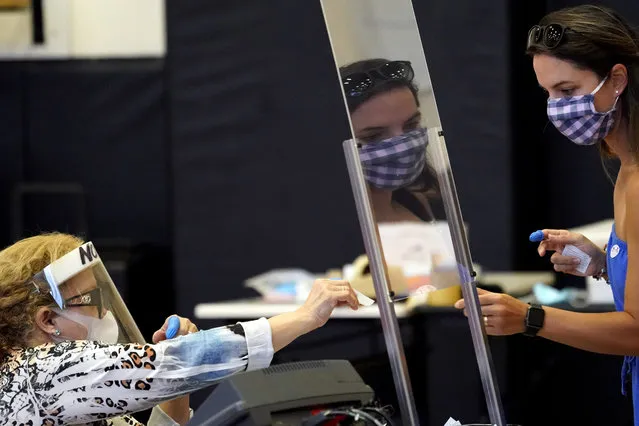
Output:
x,y
546,35
358,83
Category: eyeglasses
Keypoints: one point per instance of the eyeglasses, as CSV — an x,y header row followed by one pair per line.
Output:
x,y
357,84
547,35
90,298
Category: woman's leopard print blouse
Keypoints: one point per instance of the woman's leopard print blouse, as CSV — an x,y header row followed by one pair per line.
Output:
x,y
90,383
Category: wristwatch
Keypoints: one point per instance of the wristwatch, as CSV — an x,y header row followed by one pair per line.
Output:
x,y
534,320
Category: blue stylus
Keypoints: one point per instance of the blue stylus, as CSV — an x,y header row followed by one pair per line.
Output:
x,y
173,328
537,236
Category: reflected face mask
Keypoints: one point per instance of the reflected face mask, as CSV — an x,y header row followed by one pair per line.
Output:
x,y
577,119
395,162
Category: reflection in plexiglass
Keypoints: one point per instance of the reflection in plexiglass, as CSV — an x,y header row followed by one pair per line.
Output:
x,y
402,181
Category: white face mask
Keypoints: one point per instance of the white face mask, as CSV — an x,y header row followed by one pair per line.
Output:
x,y
103,330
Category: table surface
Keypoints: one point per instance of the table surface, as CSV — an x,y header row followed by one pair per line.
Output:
x,y
257,308
515,283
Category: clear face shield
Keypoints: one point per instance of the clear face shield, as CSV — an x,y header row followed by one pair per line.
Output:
x,y
87,302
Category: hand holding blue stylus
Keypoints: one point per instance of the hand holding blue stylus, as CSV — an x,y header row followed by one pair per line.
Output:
x,y
569,258
173,327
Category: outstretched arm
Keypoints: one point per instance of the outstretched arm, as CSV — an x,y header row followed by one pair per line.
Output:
x,y
609,333
80,381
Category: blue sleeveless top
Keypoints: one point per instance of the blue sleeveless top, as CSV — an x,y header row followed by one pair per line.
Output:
x,y
616,265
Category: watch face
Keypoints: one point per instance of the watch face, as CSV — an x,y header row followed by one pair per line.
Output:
x,y
535,317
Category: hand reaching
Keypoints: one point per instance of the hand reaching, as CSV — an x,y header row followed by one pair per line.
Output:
x,y
503,314
324,297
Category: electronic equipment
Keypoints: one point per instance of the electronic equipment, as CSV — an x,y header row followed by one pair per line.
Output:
x,y
284,394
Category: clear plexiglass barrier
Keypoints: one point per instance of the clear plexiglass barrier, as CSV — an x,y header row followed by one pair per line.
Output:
x,y
415,237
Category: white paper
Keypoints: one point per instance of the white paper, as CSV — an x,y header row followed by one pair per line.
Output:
x,y
452,422
412,245
584,259
363,299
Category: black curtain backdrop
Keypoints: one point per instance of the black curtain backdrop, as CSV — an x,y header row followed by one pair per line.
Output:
x,y
100,124
468,68
258,121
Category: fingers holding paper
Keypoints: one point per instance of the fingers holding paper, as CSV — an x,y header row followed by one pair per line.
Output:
x,y
325,296
573,253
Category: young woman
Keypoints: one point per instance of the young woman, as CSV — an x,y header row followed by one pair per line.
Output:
x,y
382,100
587,59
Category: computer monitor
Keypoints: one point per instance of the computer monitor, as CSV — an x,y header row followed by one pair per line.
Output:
x,y
283,394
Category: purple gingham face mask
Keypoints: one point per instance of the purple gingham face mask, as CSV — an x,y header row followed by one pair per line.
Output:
x,y
577,119
396,162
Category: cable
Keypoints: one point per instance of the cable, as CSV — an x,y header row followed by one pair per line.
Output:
x,y
356,414
383,412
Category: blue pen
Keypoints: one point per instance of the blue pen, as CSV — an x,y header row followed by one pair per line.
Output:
x,y
173,328
536,236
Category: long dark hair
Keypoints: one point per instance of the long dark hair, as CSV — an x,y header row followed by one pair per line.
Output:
x,y
426,183
597,39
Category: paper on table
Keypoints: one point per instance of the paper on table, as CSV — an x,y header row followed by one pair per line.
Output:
x,y
584,259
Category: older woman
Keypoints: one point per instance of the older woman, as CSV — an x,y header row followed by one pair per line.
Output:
x,y
70,352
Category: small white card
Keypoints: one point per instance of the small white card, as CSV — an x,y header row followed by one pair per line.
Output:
x,y
584,259
363,299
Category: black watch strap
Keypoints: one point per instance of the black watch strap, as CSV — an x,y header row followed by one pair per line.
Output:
x,y
534,320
